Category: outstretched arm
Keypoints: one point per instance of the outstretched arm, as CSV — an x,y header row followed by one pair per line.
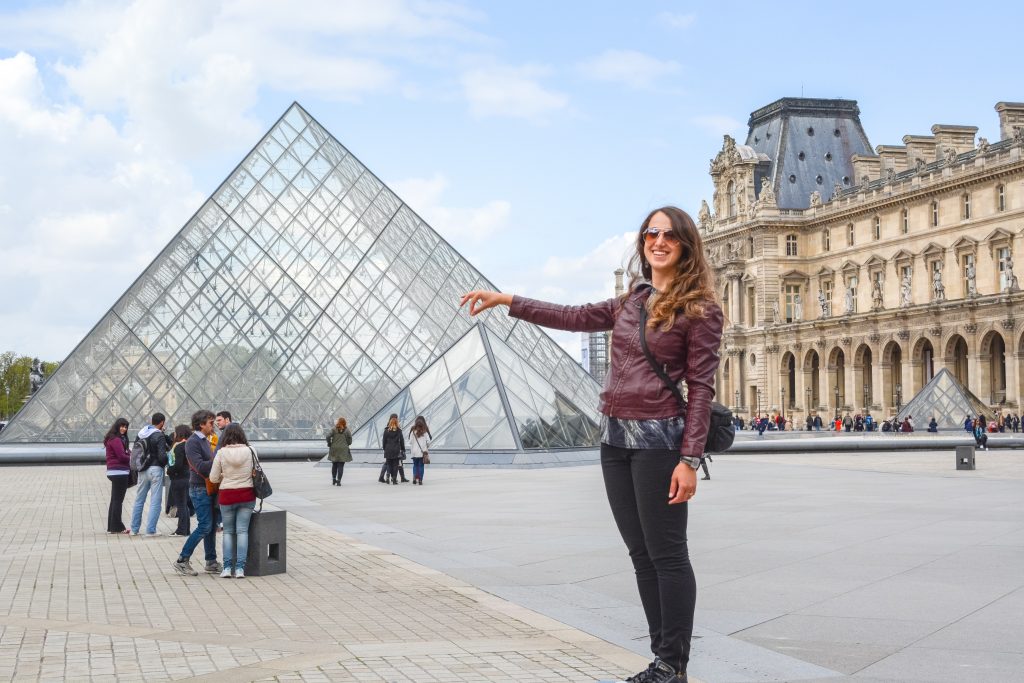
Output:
x,y
586,318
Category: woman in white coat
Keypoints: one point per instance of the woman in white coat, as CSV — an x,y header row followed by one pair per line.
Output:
x,y
233,468
419,446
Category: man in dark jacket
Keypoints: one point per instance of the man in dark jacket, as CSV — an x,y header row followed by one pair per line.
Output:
x,y
200,461
151,475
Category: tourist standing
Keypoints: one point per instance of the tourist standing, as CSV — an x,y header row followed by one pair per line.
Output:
x,y
200,462
419,446
232,469
115,442
393,444
649,450
339,452
177,474
151,474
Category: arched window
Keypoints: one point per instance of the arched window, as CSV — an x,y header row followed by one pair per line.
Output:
x,y
965,203
730,195
849,234
1000,198
935,214
826,239
876,228
906,220
791,245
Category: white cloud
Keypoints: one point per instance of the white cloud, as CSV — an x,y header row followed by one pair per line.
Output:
x,y
628,67
456,224
719,124
677,20
511,91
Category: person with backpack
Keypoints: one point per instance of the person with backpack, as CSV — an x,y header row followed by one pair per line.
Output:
x,y
118,472
204,497
177,474
149,458
650,445
339,443
232,469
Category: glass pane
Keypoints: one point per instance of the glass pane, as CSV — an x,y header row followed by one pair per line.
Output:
x,y
450,439
464,354
481,418
429,385
500,437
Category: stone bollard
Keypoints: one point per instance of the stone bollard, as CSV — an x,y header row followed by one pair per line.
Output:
x,y
965,457
267,544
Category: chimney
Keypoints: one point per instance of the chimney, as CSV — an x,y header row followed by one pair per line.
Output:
x,y
620,288
893,156
1011,115
960,138
863,165
920,147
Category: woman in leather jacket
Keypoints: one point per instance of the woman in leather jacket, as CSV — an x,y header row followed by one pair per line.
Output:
x,y
394,447
650,448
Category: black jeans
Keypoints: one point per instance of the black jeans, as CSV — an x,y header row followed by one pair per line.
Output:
x,y
637,483
118,487
179,500
337,471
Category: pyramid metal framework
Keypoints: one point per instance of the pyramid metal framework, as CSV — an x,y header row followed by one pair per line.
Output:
x,y
945,399
303,290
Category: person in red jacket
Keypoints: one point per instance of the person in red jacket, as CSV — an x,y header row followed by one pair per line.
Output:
x,y
650,448
115,442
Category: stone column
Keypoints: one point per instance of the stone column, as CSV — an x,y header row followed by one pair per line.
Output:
x,y
735,304
1013,364
877,390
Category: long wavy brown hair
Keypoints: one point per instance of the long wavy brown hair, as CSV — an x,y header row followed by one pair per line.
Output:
x,y
693,284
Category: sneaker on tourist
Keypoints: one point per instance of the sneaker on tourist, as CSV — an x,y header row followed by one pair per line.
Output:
x,y
153,534
226,574
656,672
212,567
184,567
239,573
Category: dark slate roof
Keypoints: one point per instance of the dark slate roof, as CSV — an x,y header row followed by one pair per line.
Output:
x,y
811,143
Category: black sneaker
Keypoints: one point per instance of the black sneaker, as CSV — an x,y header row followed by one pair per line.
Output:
x,y
213,567
656,672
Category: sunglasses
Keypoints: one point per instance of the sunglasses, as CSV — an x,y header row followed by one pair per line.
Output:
x,y
651,235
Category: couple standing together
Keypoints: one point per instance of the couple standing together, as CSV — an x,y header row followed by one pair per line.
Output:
x,y
649,452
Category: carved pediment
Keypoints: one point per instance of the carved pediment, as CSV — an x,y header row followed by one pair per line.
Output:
x,y
874,262
825,272
933,250
902,255
965,245
849,268
999,235
794,276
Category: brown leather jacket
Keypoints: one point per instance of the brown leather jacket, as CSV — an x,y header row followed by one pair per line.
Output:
x,y
632,390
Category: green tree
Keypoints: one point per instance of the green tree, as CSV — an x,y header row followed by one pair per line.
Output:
x,y
15,381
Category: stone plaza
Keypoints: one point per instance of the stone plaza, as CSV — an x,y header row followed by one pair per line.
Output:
x,y
865,566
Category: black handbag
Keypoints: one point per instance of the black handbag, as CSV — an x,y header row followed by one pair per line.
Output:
x,y
721,431
260,483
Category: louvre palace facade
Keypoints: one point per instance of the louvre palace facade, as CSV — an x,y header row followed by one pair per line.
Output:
x,y
850,275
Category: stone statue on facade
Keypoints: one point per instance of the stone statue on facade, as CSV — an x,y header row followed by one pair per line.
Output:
x,y
950,155
905,290
972,285
982,146
919,165
704,216
767,197
822,304
1018,135
1010,278
776,315
798,307
815,200
837,189
890,175
848,300
876,295
35,375
938,289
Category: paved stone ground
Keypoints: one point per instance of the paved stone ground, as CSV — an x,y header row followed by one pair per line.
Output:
x,y
811,567
79,604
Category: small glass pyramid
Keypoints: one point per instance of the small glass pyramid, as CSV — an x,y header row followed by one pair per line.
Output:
x,y
304,290
945,399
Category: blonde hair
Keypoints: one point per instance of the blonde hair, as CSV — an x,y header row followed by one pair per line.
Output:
x,y
393,422
693,284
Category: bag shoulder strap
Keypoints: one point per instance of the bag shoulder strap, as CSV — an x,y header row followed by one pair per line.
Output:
x,y
658,369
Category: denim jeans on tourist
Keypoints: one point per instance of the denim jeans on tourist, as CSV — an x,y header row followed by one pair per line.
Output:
x,y
203,503
152,482
236,533
417,469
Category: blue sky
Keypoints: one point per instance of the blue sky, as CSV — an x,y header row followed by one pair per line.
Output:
x,y
533,135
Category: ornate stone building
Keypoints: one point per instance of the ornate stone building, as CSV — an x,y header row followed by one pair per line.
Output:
x,y
850,276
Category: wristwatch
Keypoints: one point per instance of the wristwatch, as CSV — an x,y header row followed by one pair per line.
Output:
x,y
689,460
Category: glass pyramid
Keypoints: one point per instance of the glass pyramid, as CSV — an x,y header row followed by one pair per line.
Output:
x,y
303,290
947,400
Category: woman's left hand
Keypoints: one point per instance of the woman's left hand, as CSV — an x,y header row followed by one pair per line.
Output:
x,y
684,484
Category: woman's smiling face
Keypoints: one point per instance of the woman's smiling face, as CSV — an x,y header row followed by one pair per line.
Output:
x,y
661,246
